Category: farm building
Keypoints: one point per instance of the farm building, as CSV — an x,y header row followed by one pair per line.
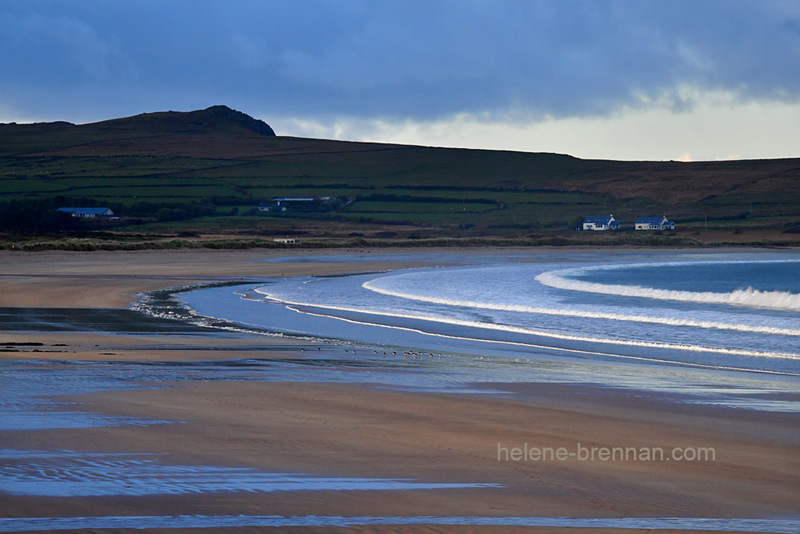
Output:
x,y
87,213
281,204
601,223
654,223
284,203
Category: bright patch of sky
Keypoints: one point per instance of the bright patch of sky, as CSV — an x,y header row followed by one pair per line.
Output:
x,y
716,128
616,79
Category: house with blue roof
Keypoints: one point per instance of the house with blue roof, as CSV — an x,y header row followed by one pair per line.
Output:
x,y
87,213
601,222
654,223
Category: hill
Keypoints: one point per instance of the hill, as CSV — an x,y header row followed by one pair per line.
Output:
x,y
18,139
204,172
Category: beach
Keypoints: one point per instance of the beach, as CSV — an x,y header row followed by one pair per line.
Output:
x,y
351,449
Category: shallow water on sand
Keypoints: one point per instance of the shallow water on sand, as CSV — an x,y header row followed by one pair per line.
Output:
x,y
204,521
30,396
73,474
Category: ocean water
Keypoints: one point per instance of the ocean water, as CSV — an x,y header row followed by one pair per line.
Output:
x,y
731,319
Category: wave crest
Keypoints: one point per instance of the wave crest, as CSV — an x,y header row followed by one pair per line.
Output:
x,y
374,285
327,309
749,297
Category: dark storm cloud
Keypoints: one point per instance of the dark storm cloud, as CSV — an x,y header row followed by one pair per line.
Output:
x,y
405,59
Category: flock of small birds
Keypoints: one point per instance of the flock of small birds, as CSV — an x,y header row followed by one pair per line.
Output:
x,y
408,354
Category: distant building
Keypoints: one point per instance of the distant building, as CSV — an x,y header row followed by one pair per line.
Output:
x,y
285,240
285,203
601,223
87,213
281,204
654,223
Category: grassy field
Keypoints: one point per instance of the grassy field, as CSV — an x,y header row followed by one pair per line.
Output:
x,y
195,173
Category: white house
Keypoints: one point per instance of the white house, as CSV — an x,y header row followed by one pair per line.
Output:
x,y
654,223
87,213
601,223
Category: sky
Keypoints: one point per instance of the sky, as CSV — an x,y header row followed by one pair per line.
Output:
x,y
628,79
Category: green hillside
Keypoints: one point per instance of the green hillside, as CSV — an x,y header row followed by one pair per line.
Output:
x,y
204,172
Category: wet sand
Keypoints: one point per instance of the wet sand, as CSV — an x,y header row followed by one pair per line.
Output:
x,y
112,279
352,430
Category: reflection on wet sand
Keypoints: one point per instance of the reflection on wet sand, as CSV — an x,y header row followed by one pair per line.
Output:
x,y
71,474
110,419
232,521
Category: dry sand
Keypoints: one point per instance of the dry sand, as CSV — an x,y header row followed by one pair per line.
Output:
x,y
361,431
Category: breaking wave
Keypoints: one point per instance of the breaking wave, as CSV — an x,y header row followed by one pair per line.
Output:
x,y
514,329
374,285
748,297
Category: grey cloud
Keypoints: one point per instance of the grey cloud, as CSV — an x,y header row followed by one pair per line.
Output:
x,y
391,59
39,47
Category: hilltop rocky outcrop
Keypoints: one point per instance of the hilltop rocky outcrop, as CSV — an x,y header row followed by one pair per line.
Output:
x,y
212,120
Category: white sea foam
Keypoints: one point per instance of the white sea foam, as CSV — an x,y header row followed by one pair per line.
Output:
x,y
522,330
749,297
375,286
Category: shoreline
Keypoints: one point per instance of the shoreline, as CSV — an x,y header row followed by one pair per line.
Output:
x,y
112,279
357,429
